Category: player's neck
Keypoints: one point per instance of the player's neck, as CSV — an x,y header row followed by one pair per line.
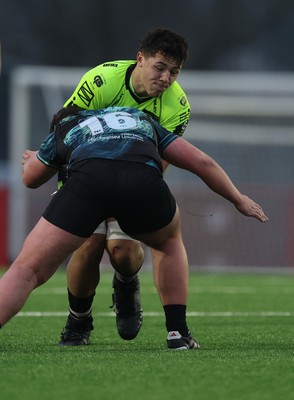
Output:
x,y
137,86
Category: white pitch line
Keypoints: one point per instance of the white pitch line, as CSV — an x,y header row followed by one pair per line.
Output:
x,y
214,290
160,314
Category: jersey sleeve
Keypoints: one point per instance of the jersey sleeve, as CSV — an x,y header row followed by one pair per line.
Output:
x,y
47,153
101,86
87,95
164,137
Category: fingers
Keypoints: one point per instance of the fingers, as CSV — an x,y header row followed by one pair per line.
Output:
x,y
261,216
249,208
259,213
26,155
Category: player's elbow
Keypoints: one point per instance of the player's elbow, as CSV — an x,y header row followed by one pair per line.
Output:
x,y
35,175
31,179
30,183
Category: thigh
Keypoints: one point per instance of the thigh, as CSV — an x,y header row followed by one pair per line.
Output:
x,y
46,247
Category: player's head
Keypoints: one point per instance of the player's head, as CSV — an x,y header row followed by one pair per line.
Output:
x,y
166,42
63,113
159,62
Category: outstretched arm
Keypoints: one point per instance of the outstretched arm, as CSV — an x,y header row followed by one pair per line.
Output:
x,y
34,172
184,155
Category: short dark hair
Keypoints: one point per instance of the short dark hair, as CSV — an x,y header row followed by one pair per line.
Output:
x,y
64,112
167,42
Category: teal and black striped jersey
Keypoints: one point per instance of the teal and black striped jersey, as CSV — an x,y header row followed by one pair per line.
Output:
x,y
116,133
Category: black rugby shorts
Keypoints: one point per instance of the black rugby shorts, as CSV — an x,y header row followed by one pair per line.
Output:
x,y
134,194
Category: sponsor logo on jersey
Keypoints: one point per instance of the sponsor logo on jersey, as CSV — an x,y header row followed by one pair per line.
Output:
x,y
85,94
183,100
110,65
98,81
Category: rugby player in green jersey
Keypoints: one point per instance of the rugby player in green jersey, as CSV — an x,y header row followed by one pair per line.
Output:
x,y
149,84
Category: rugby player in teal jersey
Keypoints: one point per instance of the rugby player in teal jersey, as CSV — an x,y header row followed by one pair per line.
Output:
x,y
149,84
115,169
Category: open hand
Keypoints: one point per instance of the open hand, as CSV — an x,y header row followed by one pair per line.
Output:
x,y
249,208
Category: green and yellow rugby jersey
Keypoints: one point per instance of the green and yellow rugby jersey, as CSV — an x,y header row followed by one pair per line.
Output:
x,y
109,84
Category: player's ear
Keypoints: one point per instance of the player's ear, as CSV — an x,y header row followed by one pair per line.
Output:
x,y
139,58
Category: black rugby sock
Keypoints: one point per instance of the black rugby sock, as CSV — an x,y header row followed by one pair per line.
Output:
x,y
125,278
175,318
80,307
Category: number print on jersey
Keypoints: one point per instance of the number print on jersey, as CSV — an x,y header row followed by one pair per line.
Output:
x,y
120,120
115,121
93,124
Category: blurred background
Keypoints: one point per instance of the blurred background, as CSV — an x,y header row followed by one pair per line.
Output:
x,y
239,79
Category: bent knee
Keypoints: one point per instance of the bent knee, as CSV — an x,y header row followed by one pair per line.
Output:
x,y
125,254
123,247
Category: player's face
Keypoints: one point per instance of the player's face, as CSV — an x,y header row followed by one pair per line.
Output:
x,y
156,74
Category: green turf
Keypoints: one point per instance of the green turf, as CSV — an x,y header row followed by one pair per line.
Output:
x,y
245,326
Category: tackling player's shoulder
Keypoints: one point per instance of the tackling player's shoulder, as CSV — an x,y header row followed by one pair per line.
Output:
x,y
176,109
176,96
100,84
110,70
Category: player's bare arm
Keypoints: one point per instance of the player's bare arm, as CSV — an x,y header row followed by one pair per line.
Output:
x,y
34,172
184,155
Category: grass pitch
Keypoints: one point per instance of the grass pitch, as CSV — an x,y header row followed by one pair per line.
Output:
x,y
244,323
